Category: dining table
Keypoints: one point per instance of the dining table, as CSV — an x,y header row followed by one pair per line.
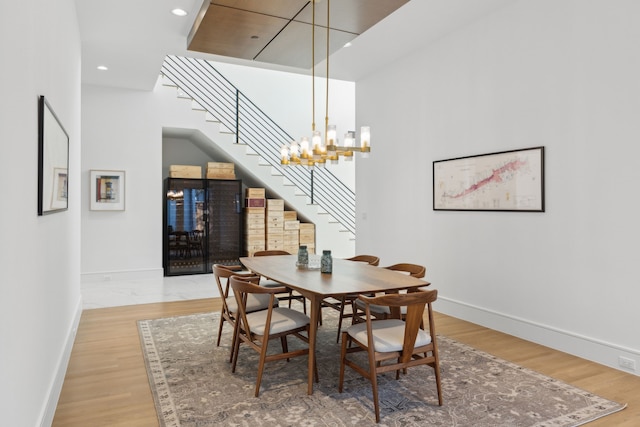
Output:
x,y
346,278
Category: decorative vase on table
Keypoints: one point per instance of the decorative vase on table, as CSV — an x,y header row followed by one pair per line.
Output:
x,y
326,262
303,257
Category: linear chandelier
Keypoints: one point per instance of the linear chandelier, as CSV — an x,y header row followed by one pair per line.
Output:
x,y
318,151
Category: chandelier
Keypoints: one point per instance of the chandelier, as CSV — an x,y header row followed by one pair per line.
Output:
x,y
317,151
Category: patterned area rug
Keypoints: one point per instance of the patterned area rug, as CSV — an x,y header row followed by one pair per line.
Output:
x,y
193,386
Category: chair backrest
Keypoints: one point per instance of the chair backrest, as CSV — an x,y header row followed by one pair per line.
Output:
x,y
224,272
369,259
241,288
413,270
270,252
415,303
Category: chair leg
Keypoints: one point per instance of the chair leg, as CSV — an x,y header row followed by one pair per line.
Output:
x,y
343,355
342,304
235,348
374,389
263,356
220,329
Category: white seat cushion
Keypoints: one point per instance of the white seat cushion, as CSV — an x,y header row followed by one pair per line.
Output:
x,y
282,319
255,302
388,335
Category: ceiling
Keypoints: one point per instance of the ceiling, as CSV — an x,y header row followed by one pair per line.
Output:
x,y
132,38
283,31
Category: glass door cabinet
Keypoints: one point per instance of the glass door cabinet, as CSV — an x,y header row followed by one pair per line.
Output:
x,y
202,224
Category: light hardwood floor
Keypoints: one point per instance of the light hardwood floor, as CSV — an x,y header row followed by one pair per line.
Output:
x,y
106,382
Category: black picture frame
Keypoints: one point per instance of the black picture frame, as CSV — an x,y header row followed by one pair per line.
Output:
x,y
53,161
507,181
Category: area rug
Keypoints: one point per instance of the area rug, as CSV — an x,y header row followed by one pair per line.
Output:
x,y
193,386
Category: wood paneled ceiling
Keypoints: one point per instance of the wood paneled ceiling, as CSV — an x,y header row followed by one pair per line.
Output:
x,y
280,31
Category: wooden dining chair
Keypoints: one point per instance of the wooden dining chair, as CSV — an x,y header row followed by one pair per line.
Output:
x,y
289,294
340,303
357,307
392,344
229,310
257,328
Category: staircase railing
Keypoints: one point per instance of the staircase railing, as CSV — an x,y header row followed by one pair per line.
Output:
x,y
199,80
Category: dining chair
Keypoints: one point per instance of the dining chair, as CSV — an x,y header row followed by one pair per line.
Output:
x,y
357,307
339,304
257,328
392,344
289,294
229,310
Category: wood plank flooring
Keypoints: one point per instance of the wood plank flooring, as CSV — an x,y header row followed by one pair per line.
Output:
x,y
106,382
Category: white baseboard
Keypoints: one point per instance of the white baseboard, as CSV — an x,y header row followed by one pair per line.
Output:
x,y
56,387
585,347
105,276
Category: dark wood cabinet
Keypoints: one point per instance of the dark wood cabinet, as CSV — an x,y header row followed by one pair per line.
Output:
x,y
202,224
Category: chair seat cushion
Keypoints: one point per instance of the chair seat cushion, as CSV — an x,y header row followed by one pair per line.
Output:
x,y
282,320
379,309
255,302
388,335
267,283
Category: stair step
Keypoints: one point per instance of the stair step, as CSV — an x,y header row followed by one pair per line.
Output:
x,y
211,118
182,94
167,82
197,107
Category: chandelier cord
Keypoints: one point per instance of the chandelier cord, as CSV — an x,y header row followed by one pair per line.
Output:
x,y
313,66
326,115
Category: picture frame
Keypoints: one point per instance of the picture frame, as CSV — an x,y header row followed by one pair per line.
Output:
x,y
107,190
53,161
509,181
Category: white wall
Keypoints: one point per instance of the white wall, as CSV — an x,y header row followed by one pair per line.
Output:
x,y
39,256
122,130
562,74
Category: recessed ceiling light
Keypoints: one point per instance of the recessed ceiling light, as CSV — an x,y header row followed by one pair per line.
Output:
x,y
179,12
347,44
102,67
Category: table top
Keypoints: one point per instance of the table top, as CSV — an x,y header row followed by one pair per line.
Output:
x,y
348,277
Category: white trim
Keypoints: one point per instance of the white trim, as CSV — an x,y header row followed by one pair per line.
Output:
x,y
582,346
49,410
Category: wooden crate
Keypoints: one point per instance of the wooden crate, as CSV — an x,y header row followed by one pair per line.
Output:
x,y
292,225
255,193
185,171
275,205
307,226
215,174
290,215
255,203
252,211
292,249
221,166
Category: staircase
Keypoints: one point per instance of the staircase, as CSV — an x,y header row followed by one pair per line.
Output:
x,y
252,141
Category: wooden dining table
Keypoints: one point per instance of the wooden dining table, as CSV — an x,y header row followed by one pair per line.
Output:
x,y
347,278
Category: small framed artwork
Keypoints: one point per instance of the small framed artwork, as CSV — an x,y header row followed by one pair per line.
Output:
x,y
107,190
505,181
53,161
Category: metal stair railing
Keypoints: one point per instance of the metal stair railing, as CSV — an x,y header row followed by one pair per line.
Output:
x,y
199,80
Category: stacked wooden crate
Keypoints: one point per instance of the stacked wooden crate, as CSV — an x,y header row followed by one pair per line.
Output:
x,y
218,170
275,224
308,236
291,232
269,227
185,171
255,221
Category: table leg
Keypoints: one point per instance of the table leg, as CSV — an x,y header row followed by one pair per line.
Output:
x,y
315,301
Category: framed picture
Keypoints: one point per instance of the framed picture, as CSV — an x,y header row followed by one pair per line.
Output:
x,y
107,190
53,161
504,181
